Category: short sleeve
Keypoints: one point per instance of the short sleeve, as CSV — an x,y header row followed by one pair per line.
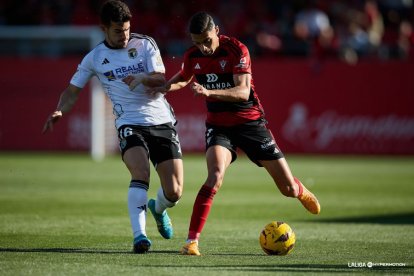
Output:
x,y
154,59
243,62
84,72
186,69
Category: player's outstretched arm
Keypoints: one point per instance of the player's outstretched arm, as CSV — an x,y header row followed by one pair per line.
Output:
x,y
177,82
67,100
153,79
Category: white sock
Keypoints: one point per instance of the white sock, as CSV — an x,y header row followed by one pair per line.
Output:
x,y
137,206
162,202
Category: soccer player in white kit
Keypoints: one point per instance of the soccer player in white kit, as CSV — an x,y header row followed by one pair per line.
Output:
x,y
128,65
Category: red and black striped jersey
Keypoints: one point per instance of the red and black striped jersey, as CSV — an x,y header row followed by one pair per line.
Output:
x,y
216,72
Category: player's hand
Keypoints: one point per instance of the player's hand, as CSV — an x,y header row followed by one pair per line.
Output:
x,y
53,118
133,80
199,90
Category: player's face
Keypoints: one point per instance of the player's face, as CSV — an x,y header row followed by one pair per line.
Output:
x,y
117,34
206,42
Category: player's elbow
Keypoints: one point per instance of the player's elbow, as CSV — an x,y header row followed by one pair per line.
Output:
x,y
244,98
244,95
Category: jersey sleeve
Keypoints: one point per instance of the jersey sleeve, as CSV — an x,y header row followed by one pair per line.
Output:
x,y
84,72
243,63
154,60
186,69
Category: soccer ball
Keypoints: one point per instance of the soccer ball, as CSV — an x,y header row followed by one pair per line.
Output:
x,y
277,238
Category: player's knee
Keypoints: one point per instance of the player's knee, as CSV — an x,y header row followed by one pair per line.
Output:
x,y
215,179
173,195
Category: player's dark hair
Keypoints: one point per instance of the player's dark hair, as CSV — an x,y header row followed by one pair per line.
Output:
x,y
201,22
115,11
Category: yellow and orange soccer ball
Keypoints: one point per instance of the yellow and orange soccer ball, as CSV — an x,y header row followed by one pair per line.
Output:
x,y
277,238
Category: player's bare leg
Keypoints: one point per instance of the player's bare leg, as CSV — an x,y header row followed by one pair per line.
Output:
x,y
218,159
171,175
291,186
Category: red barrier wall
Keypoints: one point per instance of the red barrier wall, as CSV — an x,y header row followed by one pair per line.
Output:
x,y
340,108
30,89
335,108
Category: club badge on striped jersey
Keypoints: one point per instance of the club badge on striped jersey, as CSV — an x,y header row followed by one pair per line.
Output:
x,y
223,64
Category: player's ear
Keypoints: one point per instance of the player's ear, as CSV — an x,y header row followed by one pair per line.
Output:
x,y
217,29
103,28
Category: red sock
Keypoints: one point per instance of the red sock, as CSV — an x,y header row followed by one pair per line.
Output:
x,y
299,185
201,209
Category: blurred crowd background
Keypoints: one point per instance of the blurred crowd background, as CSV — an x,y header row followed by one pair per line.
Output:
x,y
321,29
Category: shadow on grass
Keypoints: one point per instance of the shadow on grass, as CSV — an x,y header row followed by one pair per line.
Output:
x,y
290,268
303,268
294,268
77,250
401,218
100,251
313,268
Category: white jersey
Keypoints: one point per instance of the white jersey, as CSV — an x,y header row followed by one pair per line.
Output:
x,y
136,107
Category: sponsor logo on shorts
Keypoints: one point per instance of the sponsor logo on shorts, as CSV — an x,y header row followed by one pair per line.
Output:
x,y
268,143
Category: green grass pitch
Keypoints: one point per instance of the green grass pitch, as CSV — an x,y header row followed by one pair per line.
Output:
x,y
67,215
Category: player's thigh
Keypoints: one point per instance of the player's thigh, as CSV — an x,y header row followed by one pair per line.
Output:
x,y
136,160
278,169
280,172
171,175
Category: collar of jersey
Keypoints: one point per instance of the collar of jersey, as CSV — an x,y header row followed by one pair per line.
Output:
x,y
109,46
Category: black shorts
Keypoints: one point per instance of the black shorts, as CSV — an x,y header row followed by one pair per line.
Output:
x,y
254,138
160,141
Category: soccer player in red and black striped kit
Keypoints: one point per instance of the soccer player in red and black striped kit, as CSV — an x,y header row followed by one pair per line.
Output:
x,y
221,67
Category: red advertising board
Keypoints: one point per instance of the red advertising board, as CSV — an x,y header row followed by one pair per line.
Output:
x,y
335,108
340,108
30,89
